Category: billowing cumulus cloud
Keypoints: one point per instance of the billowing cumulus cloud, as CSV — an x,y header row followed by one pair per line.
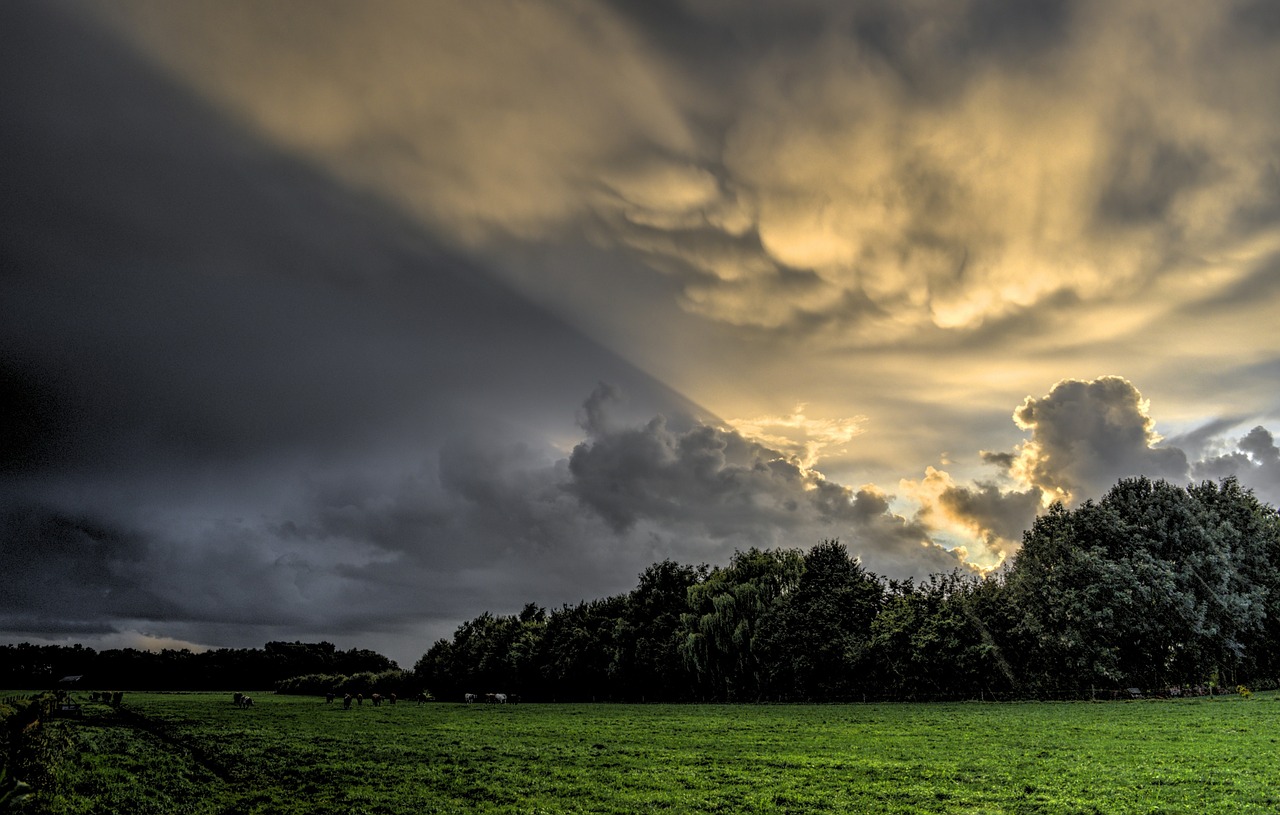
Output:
x,y
1254,459
1086,435
987,516
712,484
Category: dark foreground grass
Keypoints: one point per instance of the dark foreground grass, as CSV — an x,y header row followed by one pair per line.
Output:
x,y
196,753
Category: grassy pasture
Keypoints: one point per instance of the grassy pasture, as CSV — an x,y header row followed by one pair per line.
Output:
x,y
196,753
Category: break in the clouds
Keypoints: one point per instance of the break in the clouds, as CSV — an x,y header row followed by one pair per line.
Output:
x,y
304,311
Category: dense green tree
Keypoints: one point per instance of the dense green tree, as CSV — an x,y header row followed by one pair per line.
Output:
x,y
930,642
579,650
1248,536
726,609
813,640
648,664
1152,586
436,671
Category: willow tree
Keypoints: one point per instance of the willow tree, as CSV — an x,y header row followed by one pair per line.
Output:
x,y
726,610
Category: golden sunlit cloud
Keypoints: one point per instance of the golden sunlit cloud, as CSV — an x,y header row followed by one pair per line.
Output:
x,y
903,208
806,439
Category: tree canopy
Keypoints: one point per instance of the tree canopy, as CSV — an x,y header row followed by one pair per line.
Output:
x,y
1153,586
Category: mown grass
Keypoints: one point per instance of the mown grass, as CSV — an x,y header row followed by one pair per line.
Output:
x,y
196,753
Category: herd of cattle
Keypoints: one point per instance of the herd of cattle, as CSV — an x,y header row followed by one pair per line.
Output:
x,y
491,698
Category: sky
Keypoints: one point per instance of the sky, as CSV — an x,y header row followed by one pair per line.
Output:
x,y
350,321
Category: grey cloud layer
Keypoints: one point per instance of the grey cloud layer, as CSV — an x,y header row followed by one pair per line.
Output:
x,y
483,525
200,333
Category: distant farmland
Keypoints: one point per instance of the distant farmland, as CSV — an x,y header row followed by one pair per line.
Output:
x,y
197,753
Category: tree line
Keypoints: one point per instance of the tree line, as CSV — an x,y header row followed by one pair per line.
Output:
x,y
1154,586
44,666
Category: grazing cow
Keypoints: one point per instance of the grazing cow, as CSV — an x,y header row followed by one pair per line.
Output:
x,y
392,698
359,698
500,698
469,697
237,698
328,698
376,699
245,702
422,698
346,702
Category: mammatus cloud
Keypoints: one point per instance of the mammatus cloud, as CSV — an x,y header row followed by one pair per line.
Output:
x,y
492,118
864,170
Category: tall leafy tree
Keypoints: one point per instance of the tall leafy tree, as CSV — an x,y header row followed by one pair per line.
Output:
x,y
929,640
1153,585
648,664
578,650
726,611
813,640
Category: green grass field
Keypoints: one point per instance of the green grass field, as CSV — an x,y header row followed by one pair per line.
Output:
x,y
197,753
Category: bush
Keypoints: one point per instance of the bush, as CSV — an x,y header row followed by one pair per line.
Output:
x,y
386,683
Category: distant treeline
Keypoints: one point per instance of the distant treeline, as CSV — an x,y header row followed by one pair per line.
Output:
x,y
1157,587
43,666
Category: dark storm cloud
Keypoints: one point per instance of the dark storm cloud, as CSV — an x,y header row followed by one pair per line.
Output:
x,y
998,513
1255,461
1002,460
236,366
63,571
714,484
